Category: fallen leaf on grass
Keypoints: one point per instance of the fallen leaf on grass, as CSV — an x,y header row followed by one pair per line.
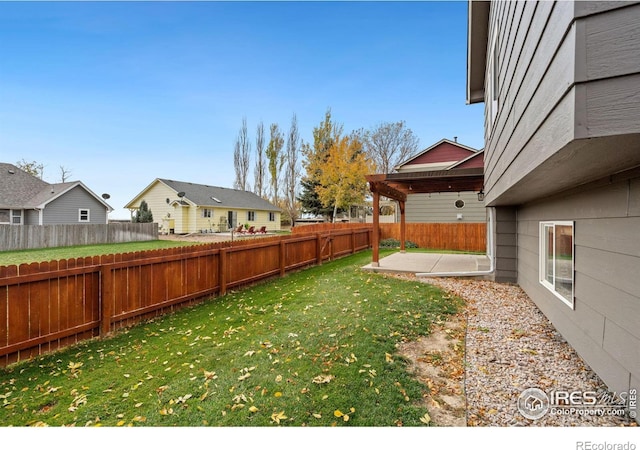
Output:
x,y
277,417
321,379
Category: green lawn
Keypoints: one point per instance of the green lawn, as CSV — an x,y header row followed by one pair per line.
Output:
x,y
315,348
81,251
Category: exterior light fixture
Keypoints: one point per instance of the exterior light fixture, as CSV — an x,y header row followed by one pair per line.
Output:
x,y
480,196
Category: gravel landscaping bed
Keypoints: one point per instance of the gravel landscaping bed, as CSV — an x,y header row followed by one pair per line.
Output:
x,y
510,347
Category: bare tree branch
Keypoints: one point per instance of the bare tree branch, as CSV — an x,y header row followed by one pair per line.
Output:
x,y
389,144
241,158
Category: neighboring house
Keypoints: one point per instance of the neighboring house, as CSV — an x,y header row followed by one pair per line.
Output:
x,y
181,208
443,207
28,200
560,82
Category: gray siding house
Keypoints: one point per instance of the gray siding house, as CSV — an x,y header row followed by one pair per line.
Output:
x,y
444,207
28,200
560,82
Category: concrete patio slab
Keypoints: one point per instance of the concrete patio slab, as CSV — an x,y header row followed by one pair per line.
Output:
x,y
434,264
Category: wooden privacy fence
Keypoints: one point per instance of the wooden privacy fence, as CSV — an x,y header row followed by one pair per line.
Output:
x,y
466,236
51,305
470,237
20,237
324,227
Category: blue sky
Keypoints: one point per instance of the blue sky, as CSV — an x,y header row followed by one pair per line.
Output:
x,y
121,93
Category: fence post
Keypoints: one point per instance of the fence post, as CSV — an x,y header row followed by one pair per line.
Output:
x,y
331,249
353,241
318,249
222,271
106,298
283,254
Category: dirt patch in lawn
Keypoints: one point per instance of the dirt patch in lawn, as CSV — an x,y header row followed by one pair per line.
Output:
x,y
437,361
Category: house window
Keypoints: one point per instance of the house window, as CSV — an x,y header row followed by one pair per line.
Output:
x,y
556,259
4,216
206,213
83,215
251,216
272,217
16,216
459,204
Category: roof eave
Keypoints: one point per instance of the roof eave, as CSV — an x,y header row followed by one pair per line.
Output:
x,y
477,39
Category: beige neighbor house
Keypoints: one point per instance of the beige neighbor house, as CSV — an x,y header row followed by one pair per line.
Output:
x,y
180,207
444,207
560,82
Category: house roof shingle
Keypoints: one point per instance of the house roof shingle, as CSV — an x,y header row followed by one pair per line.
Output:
x,y
18,187
21,190
215,196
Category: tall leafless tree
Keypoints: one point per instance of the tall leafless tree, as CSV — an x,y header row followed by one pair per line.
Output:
x,y
389,144
242,158
276,160
65,173
260,170
292,170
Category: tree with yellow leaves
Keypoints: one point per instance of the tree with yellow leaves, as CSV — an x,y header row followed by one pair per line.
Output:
x,y
342,176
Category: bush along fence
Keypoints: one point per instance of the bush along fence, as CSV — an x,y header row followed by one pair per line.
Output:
x,y
20,237
51,305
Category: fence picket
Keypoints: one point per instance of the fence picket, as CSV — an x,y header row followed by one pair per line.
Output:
x,y
55,304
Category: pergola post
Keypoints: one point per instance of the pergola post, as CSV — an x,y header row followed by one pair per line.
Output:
x,y
397,186
403,227
375,259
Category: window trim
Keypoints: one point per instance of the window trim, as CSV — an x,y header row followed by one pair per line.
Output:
x,y
207,213
14,216
251,216
543,248
80,214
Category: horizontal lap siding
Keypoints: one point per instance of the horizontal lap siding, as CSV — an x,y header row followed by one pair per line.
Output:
x,y
64,209
535,111
440,208
603,328
52,305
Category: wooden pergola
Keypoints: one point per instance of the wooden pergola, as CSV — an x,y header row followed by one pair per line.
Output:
x,y
397,186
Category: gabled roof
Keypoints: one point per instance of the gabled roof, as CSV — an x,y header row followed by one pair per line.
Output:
x,y
17,186
440,155
56,190
471,161
212,196
21,190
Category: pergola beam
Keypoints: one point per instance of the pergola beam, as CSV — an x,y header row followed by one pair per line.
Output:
x,y
397,186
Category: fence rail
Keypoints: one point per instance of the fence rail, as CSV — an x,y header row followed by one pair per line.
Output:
x,y
324,227
21,237
51,305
